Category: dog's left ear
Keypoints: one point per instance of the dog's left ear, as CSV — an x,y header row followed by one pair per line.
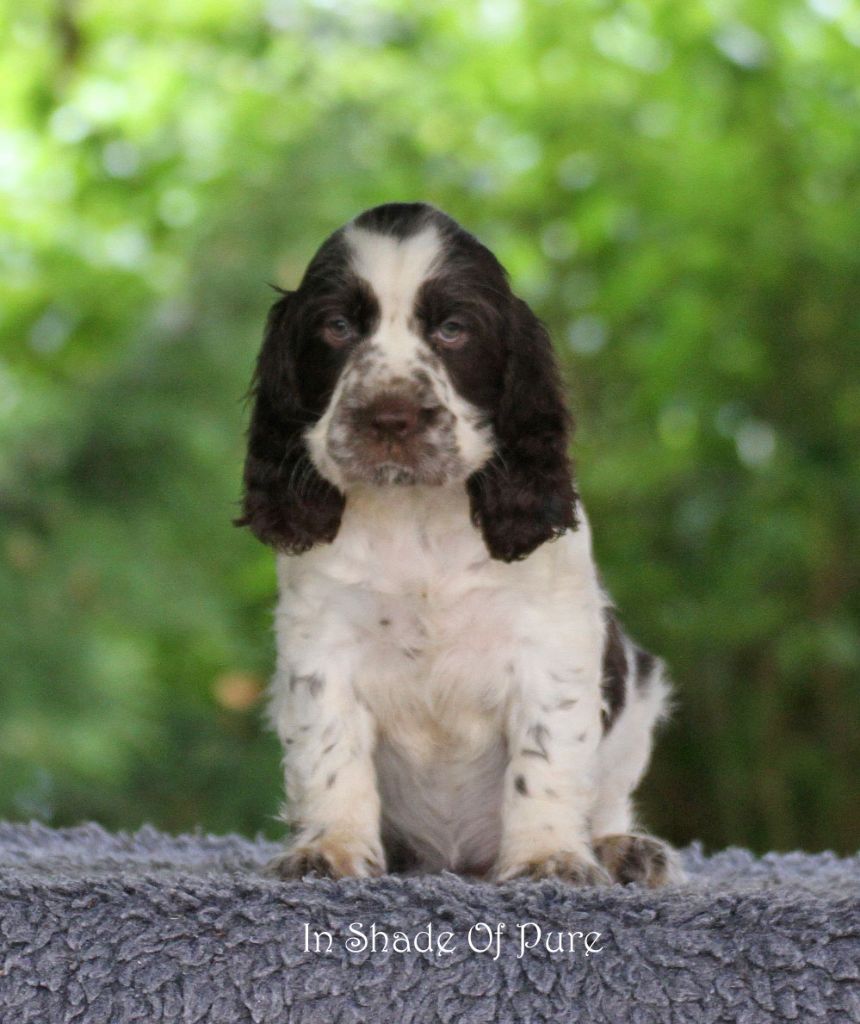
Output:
x,y
525,495
286,503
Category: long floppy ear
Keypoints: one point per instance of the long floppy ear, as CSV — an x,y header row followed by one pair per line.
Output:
x,y
286,503
525,495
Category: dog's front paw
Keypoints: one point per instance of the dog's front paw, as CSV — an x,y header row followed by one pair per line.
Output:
x,y
641,859
332,855
574,868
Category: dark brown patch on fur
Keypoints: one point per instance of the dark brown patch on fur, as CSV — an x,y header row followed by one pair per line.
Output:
x,y
645,664
539,734
521,786
525,494
401,857
286,502
614,683
399,220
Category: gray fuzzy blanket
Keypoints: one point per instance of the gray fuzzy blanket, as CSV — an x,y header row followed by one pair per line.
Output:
x,y
108,929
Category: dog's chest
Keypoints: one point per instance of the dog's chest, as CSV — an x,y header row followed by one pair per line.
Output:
x,y
431,642
430,624
432,668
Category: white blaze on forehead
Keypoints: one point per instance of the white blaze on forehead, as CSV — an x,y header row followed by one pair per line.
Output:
x,y
394,268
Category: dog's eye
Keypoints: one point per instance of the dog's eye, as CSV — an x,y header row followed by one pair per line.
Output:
x,y
450,333
338,331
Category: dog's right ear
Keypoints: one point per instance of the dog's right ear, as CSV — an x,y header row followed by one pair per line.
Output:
x,y
286,503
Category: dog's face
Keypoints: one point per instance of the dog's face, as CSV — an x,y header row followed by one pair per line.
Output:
x,y
403,358
406,331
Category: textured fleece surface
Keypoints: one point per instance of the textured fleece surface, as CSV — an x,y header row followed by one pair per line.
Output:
x,y
108,929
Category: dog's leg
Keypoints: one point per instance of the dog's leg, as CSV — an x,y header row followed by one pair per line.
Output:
x,y
553,730
623,848
627,852
333,801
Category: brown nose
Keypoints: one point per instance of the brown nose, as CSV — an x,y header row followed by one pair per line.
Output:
x,y
395,416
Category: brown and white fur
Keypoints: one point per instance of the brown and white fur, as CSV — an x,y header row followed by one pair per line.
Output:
x,y
453,690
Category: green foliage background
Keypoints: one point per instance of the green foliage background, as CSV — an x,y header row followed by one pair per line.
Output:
x,y
674,186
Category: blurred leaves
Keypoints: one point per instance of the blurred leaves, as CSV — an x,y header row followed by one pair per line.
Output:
x,y
672,185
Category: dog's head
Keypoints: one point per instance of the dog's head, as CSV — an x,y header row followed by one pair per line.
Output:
x,y
404,358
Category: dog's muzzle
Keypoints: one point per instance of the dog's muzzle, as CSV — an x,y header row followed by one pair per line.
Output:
x,y
399,434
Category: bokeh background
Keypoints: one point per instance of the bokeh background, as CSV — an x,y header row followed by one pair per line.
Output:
x,y
674,186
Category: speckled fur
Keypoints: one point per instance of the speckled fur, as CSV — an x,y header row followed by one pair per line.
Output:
x,y
453,690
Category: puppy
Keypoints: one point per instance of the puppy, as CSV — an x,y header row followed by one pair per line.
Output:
x,y
453,689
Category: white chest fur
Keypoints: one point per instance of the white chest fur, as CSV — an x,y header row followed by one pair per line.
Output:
x,y
407,616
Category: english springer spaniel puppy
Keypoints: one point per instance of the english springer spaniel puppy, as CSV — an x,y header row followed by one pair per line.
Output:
x,y
453,690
